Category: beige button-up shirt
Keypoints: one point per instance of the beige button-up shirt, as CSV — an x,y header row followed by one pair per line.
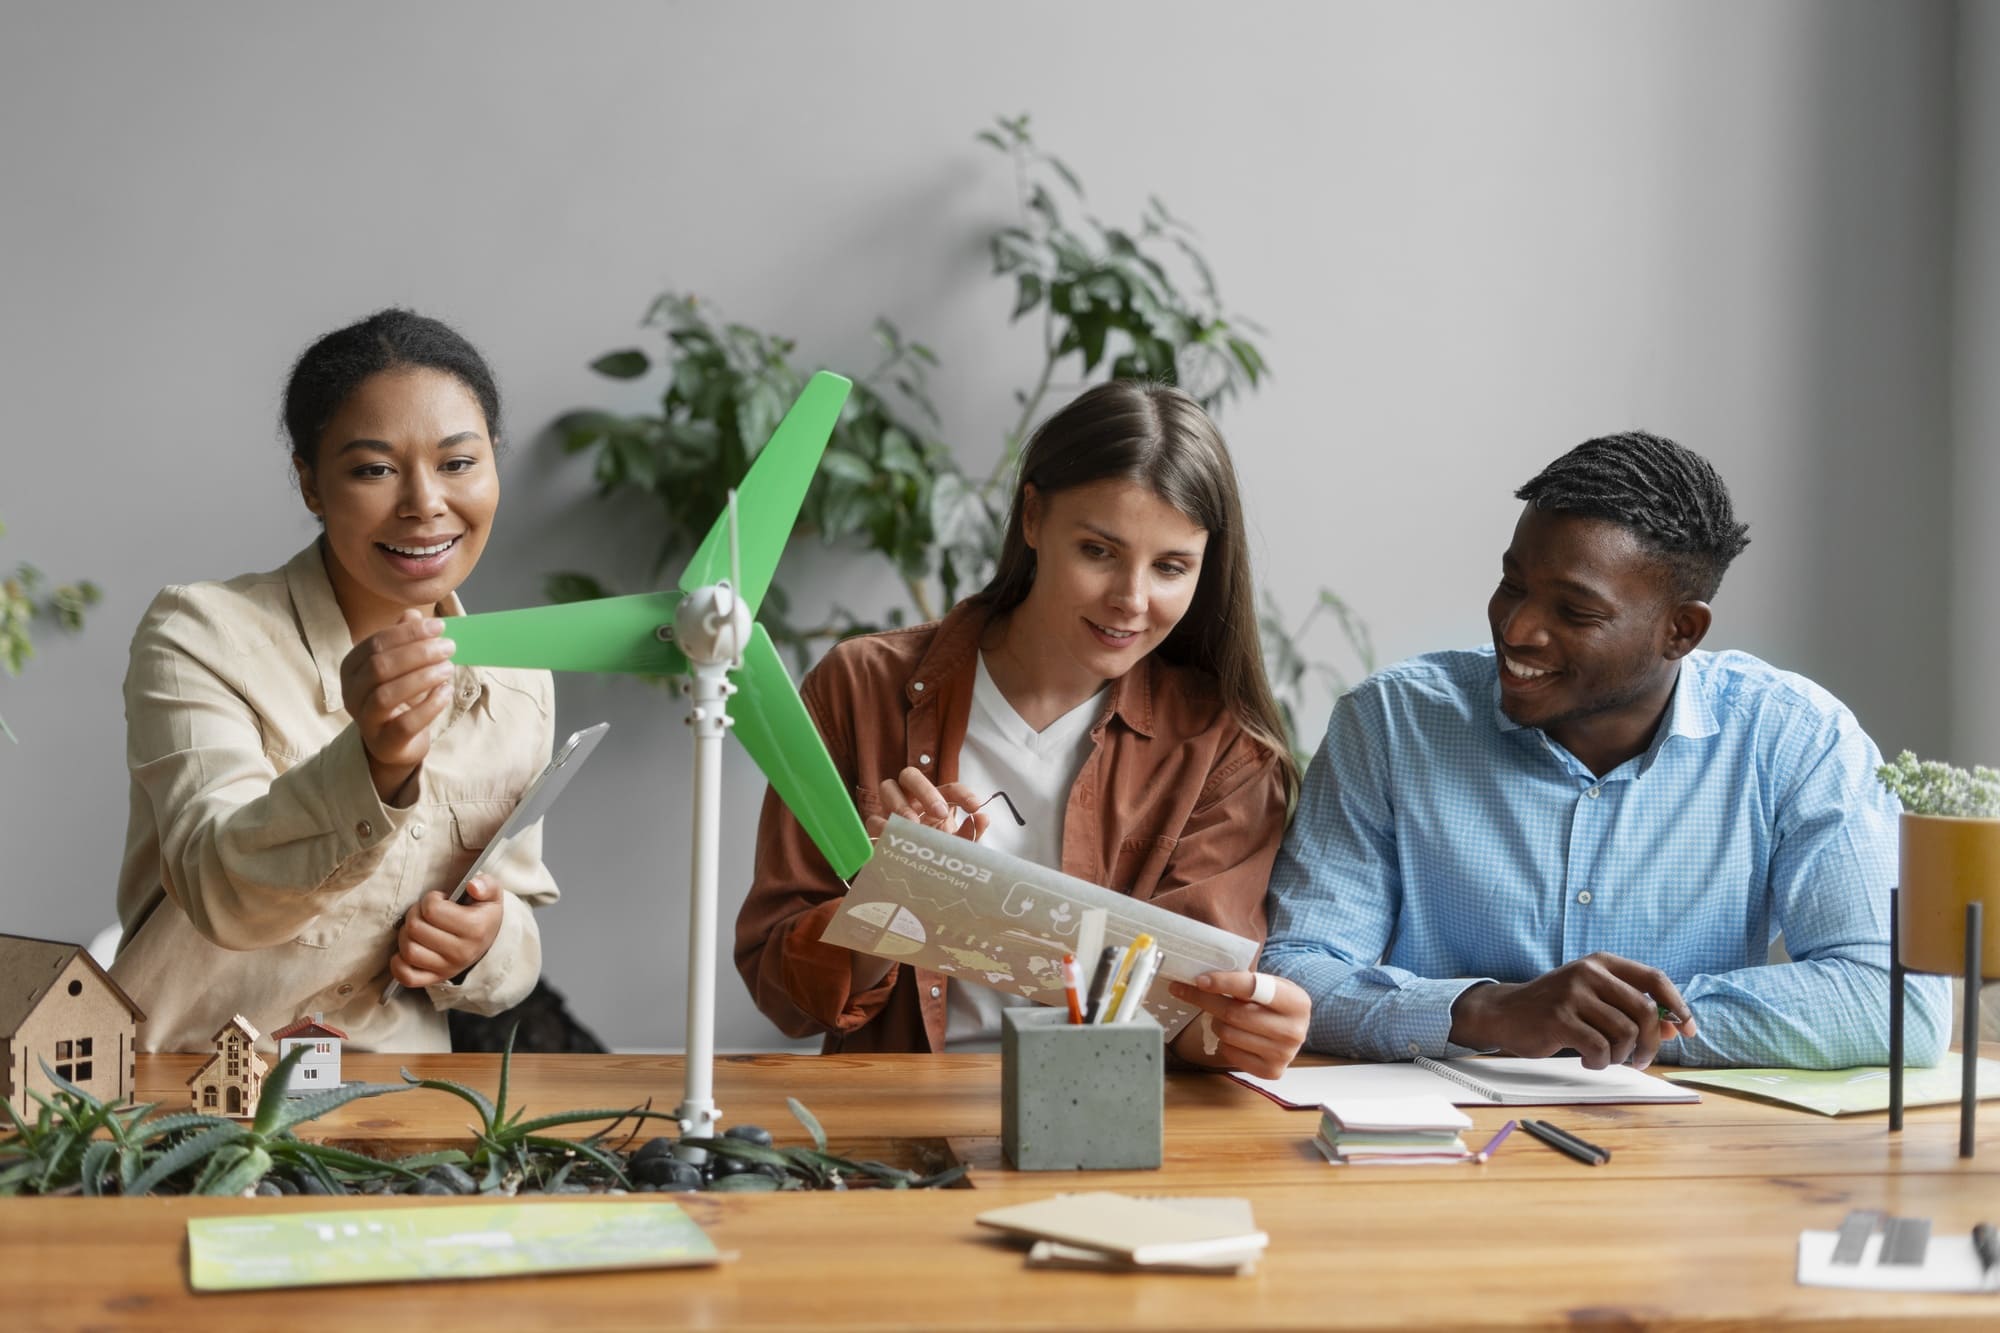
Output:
x,y
263,875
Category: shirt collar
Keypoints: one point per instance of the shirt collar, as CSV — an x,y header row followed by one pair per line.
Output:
x,y
325,628
1689,712
957,640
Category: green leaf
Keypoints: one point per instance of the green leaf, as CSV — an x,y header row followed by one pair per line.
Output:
x,y
613,1113
809,1120
188,1151
741,1149
989,137
295,1110
899,455
1028,293
628,364
1068,176
745,1182
476,1098
847,467
569,585
272,1103
603,1159
94,1159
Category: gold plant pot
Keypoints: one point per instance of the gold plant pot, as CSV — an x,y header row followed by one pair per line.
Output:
x,y
1946,863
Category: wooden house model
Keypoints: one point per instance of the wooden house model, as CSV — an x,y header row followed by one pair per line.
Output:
x,y
319,1068
230,1081
58,1005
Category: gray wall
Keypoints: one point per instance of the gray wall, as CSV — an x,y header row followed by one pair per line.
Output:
x,y
1975,564
1476,233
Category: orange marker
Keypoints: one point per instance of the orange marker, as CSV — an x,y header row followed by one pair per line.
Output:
x,y
1073,987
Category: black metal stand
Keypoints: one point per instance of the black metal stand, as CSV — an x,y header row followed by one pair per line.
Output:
x,y
1896,975
1968,1096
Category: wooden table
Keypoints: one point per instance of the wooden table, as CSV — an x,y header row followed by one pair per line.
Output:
x,y
1693,1224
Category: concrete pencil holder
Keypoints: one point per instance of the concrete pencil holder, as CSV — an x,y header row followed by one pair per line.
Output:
x,y
1080,1097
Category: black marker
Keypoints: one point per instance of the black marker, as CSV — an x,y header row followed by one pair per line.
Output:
x,y
1100,980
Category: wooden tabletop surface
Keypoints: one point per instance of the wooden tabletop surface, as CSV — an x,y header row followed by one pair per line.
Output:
x,y
1694,1223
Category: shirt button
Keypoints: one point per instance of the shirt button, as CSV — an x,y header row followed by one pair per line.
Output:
x,y
918,687
470,692
923,759
364,830
417,831
936,991
347,990
1584,897
1593,793
1414,1048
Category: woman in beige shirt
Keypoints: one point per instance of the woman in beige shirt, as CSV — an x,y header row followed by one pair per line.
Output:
x,y
1110,677
310,773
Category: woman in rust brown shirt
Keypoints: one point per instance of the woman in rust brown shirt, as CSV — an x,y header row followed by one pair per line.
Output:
x,y
1110,679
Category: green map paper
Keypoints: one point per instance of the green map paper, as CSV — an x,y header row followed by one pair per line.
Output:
x,y
1846,1091
452,1241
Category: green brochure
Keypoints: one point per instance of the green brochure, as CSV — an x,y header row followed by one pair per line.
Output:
x,y
415,1244
1846,1091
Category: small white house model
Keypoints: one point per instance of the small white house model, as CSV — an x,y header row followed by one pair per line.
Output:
x,y
319,1068
231,1081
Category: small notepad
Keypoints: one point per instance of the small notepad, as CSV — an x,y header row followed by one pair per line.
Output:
x,y
1143,1231
1388,1115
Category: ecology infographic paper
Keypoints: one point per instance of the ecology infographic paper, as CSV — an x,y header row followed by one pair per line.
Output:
x,y
940,902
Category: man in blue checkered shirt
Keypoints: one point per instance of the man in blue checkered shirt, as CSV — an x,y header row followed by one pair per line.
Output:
x,y
1587,835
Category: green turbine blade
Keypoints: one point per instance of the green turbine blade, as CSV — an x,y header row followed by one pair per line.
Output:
x,y
772,722
767,503
616,635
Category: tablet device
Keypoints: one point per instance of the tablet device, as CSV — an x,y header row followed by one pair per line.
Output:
x,y
534,803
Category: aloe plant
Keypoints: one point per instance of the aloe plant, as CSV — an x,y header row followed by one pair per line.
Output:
x,y
809,1168
513,1151
78,1143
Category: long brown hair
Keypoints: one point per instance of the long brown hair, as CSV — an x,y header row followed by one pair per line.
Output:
x,y
1157,436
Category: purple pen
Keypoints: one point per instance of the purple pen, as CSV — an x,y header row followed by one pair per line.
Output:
x,y
1493,1144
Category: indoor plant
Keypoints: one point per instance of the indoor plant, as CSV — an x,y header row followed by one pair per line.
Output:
x,y
24,601
1108,302
1949,857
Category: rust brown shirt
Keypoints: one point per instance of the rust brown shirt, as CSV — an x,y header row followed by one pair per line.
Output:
x,y
1175,804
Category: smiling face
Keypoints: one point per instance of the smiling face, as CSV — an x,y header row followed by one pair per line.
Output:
x,y
405,483
1589,634
1115,569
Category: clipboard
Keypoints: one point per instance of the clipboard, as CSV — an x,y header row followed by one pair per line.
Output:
x,y
534,803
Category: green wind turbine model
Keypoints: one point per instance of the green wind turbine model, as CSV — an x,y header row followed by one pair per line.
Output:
x,y
707,633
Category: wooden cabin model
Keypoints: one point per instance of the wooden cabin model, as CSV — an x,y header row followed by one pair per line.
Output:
x,y
232,1080
58,1006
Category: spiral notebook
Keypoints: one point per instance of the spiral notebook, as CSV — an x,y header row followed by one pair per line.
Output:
x,y
1501,1080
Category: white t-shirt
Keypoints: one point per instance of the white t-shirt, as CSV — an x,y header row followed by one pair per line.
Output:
x,y
1036,770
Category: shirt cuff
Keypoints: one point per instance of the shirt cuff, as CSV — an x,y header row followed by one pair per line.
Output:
x,y
360,820
503,978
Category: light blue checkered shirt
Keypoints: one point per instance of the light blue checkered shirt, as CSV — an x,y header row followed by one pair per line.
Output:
x,y
1438,844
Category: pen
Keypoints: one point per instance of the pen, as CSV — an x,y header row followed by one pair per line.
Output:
x,y
1987,1242
1135,989
1493,1144
1107,963
1117,996
1072,980
1563,1141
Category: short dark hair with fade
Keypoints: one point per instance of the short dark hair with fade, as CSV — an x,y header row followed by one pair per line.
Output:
x,y
1672,497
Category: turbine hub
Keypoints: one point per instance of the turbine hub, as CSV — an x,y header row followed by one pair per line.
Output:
x,y
712,625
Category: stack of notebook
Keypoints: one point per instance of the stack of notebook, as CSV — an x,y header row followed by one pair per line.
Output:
x,y
1119,1232
1392,1131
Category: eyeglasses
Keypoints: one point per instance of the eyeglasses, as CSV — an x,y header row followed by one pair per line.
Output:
x,y
961,815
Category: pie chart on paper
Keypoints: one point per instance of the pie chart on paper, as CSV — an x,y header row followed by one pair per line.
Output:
x,y
902,933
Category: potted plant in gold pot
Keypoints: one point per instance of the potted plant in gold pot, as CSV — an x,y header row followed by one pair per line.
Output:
x,y
1945,916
